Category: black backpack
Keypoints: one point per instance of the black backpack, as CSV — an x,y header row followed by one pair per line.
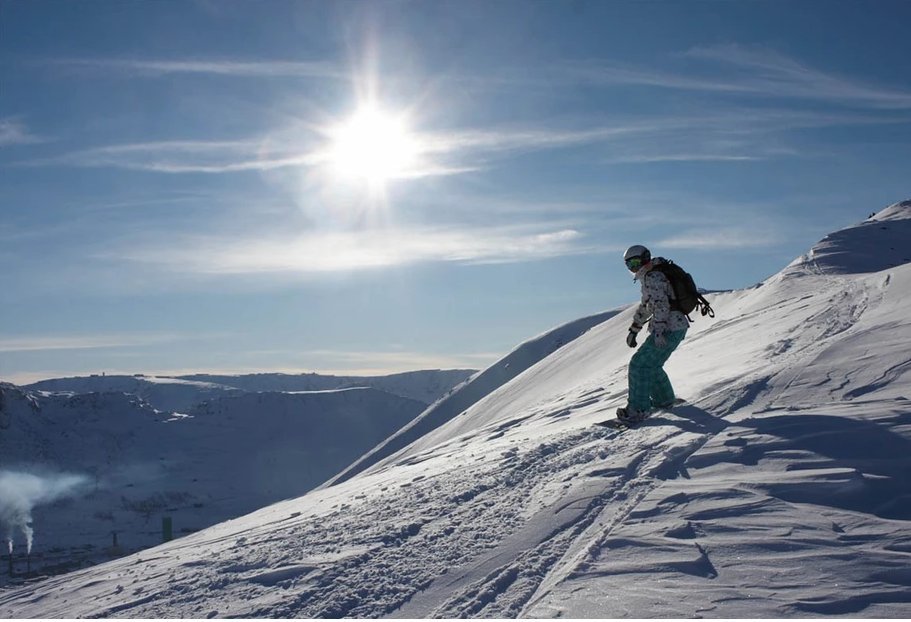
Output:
x,y
686,296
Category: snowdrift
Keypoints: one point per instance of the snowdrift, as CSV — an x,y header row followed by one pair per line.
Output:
x,y
779,490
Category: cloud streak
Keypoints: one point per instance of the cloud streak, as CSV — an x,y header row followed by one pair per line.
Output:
x,y
746,71
213,156
81,342
724,136
749,70
345,251
775,74
264,153
213,67
14,132
709,238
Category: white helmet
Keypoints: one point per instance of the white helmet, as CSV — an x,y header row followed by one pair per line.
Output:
x,y
636,256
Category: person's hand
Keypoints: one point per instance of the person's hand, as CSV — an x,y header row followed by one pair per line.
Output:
x,y
631,339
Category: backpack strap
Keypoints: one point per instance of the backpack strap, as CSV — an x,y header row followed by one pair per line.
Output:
x,y
704,307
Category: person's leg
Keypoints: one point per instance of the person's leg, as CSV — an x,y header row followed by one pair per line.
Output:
x,y
647,381
662,391
641,372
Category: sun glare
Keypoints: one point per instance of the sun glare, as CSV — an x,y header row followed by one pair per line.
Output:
x,y
373,146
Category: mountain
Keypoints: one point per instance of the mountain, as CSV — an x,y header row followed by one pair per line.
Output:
x,y
779,490
162,393
425,386
178,394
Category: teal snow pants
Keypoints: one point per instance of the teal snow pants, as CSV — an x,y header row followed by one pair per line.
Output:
x,y
649,386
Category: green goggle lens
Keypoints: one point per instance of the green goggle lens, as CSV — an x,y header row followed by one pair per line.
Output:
x,y
634,263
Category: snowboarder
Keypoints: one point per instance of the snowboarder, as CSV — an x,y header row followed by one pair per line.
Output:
x,y
649,386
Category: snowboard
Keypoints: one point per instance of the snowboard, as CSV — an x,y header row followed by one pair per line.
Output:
x,y
622,426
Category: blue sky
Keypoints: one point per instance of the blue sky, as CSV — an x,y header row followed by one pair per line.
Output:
x,y
178,195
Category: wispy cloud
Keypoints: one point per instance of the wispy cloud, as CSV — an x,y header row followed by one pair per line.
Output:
x,y
326,252
728,135
731,68
214,67
215,156
680,157
81,342
219,157
737,69
772,73
266,153
611,74
14,132
715,238
732,136
539,138
442,153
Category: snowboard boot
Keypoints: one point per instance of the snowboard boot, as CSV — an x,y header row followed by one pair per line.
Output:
x,y
631,415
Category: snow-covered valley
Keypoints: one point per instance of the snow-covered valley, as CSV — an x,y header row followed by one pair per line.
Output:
x,y
779,490
135,451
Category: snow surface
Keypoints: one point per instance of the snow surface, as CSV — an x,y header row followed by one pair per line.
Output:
x,y
779,490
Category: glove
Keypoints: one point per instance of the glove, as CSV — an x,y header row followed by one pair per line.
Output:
x,y
660,339
634,329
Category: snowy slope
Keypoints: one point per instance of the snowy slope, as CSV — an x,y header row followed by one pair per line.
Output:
x,y
779,490
879,243
474,389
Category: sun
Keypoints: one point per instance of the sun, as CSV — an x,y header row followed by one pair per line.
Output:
x,y
373,145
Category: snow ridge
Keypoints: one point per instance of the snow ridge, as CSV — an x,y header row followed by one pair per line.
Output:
x,y
473,390
876,244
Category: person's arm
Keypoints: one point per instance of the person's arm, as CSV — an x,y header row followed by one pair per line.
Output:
x,y
639,319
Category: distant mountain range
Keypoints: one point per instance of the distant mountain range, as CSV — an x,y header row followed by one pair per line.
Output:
x,y
179,393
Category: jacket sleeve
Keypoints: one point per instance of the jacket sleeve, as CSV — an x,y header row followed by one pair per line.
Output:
x,y
655,303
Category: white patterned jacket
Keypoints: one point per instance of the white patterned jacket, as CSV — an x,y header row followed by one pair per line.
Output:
x,y
656,303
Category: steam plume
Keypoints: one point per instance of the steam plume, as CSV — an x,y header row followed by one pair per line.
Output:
x,y
20,492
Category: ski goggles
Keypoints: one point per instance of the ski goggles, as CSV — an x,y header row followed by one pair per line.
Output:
x,y
634,263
